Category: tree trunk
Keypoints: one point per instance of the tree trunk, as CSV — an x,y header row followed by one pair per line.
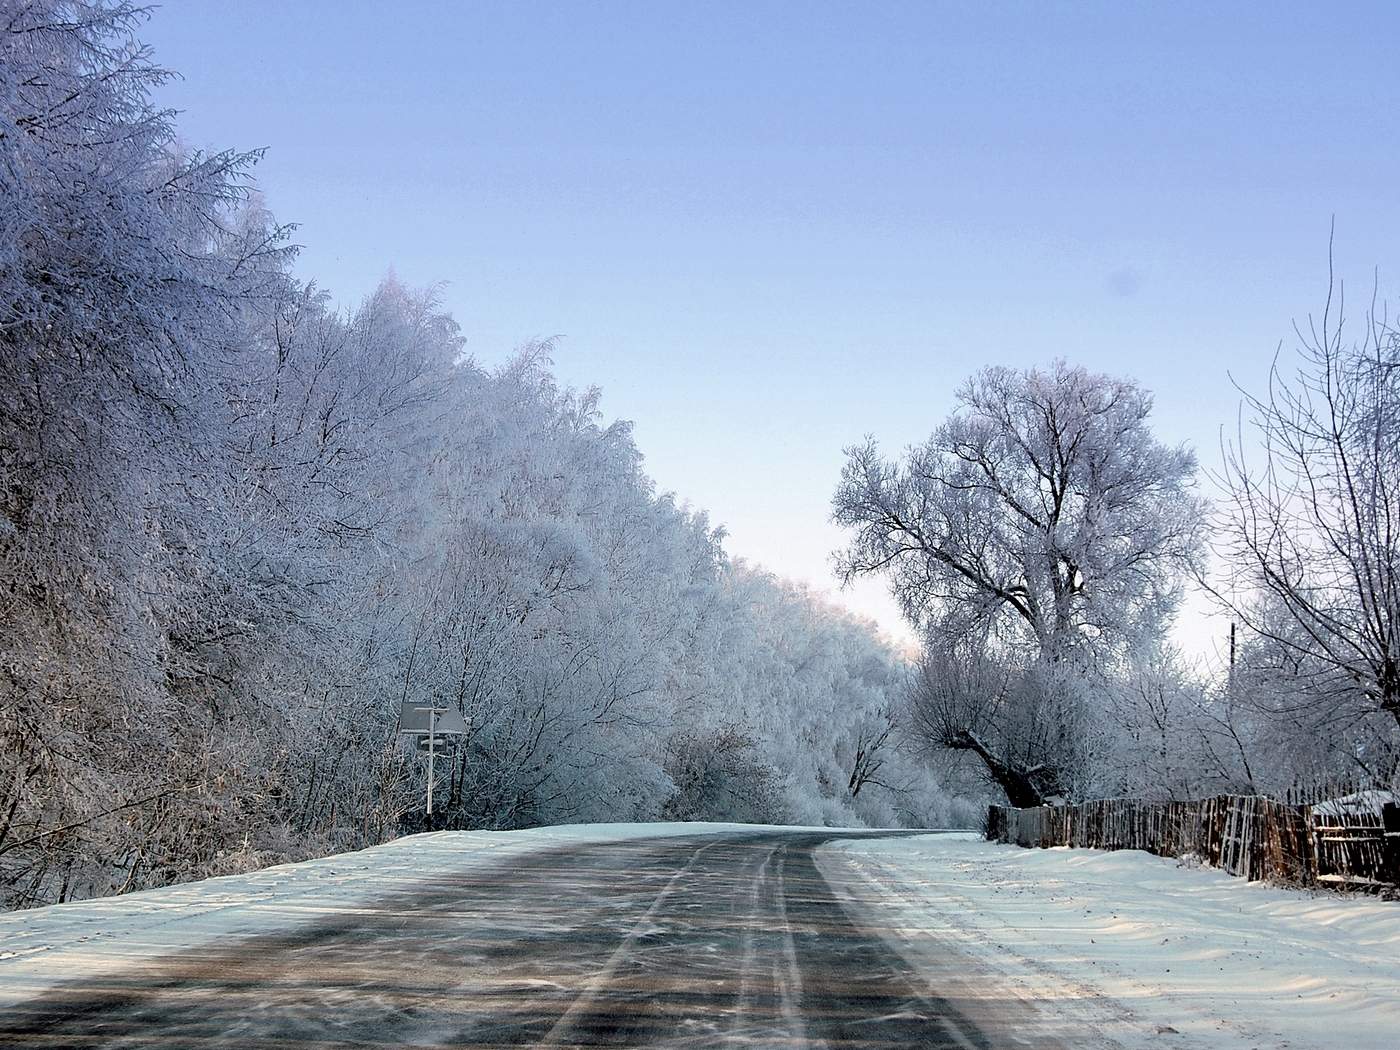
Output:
x,y
1022,790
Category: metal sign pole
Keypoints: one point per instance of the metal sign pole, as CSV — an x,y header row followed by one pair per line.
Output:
x,y
429,723
432,754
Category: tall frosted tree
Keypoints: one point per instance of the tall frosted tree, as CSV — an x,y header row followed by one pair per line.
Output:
x,y
1308,533
1042,522
123,263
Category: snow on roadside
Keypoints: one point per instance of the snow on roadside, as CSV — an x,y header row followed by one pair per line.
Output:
x,y
1194,956
42,947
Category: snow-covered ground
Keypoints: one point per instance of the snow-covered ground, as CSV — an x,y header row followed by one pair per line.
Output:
x,y
42,947
1182,956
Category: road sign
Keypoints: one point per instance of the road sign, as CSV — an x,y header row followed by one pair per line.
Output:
x,y
430,723
414,718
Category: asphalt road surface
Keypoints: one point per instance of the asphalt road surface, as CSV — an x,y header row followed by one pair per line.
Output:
x,y
708,941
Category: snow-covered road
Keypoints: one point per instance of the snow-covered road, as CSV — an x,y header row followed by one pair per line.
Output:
x,y
642,935
732,937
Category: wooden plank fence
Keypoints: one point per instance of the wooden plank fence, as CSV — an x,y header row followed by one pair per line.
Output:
x,y
1354,841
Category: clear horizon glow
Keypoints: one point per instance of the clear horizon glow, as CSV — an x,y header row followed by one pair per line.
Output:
x,y
768,229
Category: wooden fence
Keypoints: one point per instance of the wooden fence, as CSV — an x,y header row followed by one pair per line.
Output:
x,y
1353,841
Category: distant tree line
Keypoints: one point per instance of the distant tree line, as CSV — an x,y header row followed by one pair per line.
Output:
x,y
238,527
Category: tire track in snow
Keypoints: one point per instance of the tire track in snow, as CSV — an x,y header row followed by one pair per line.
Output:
x,y
587,999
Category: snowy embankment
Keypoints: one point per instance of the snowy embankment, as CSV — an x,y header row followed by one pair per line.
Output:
x,y
1183,954
42,947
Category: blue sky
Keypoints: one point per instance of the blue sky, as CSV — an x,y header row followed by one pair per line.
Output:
x,y
766,229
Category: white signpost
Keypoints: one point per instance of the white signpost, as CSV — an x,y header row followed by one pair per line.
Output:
x,y
430,724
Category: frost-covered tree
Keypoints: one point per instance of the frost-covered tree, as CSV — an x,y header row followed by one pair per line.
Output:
x,y
239,526
1178,733
1302,723
823,696
123,263
1037,730
1042,522
1043,513
1309,527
